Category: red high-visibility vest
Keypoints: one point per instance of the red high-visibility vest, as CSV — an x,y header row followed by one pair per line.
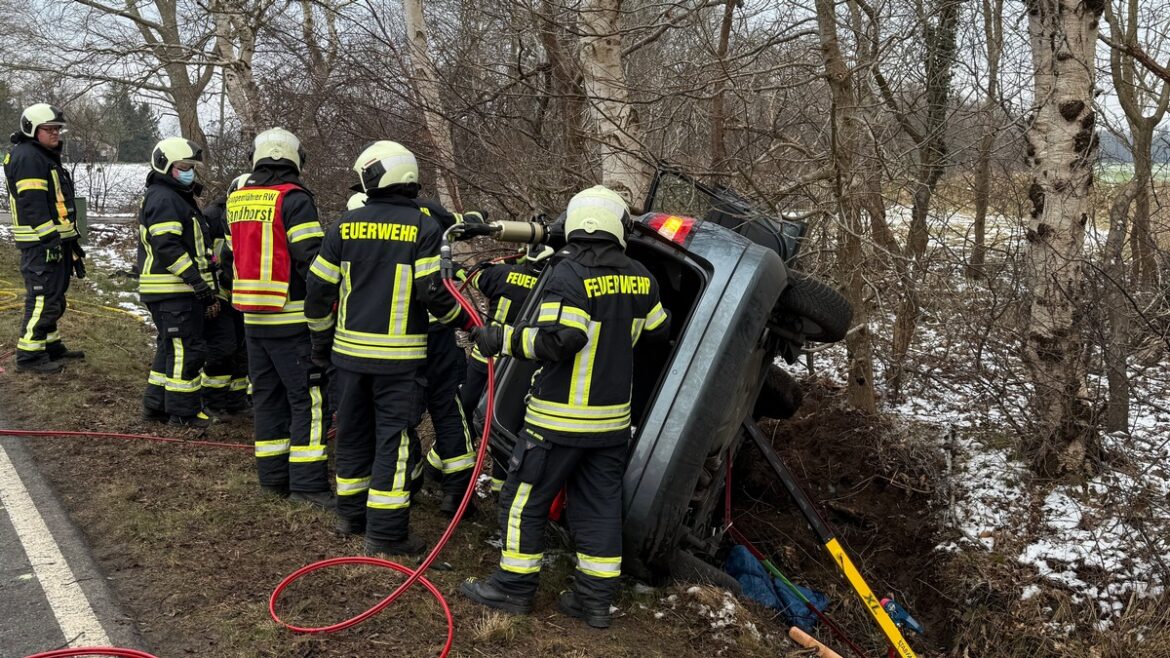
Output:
x,y
260,248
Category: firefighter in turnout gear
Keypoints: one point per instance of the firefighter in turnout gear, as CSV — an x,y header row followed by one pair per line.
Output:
x,y
595,306
452,456
506,288
225,375
370,290
175,282
275,236
40,195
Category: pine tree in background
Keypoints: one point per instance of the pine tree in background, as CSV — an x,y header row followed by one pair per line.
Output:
x,y
132,128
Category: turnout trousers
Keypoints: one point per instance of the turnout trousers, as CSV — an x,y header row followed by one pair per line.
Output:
x,y
225,375
45,285
288,415
175,381
452,453
537,471
474,387
377,455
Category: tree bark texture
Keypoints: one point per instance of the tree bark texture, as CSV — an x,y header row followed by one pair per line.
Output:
x,y
426,83
614,125
719,162
1063,136
848,135
1116,344
236,26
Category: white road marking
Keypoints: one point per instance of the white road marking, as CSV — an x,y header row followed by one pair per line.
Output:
x,y
74,615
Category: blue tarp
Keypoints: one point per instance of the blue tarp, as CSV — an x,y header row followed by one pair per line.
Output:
x,y
760,587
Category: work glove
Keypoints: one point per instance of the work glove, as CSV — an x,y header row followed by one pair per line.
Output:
x,y
476,216
321,352
53,254
213,310
489,339
203,292
318,377
78,260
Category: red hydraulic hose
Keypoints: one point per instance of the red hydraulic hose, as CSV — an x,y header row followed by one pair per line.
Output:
x,y
414,575
94,651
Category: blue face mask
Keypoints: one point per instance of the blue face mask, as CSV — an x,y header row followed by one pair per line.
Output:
x,y
185,177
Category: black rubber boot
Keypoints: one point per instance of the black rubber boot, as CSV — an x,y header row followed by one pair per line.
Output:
x,y
280,492
484,592
347,527
43,366
155,415
198,421
411,546
67,354
595,616
450,505
322,500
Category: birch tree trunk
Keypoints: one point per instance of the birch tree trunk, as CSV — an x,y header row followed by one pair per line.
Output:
x,y
426,83
605,87
1062,36
847,133
718,111
236,25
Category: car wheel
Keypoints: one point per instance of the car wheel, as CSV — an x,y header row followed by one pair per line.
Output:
x,y
824,313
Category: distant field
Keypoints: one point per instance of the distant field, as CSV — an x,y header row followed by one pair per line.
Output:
x,y
111,188
1122,172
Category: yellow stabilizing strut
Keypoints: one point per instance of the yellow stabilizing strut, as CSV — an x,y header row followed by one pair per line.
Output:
x,y
826,536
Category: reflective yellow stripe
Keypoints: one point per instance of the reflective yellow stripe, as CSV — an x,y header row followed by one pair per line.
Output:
x,y
62,212
549,312
26,342
46,229
395,499
600,567
582,378
425,266
321,324
509,334
271,319
656,317
240,384
176,383
352,486
502,309
28,184
452,465
306,454
259,286
403,461
528,342
325,270
161,228
576,424
181,264
636,326
382,353
520,562
273,448
512,540
306,231
317,428
579,411
451,315
216,381
575,318
400,301
156,378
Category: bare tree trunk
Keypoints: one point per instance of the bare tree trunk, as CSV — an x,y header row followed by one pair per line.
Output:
x,y
565,82
939,37
1141,243
1116,348
718,112
1063,34
426,83
847,136
992,11
605,86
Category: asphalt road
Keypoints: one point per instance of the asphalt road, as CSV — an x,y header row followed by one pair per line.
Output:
x,y
52,594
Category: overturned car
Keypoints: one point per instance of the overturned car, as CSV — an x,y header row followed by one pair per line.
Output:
x,y
736,307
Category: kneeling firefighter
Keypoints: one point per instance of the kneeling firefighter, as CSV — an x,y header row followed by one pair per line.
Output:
x,y
369,292
175,282
275,236
594,308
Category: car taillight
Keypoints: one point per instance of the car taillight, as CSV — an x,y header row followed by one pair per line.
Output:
x,y
675,228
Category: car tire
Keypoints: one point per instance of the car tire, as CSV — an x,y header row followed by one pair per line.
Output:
x,y
824,313
780,396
